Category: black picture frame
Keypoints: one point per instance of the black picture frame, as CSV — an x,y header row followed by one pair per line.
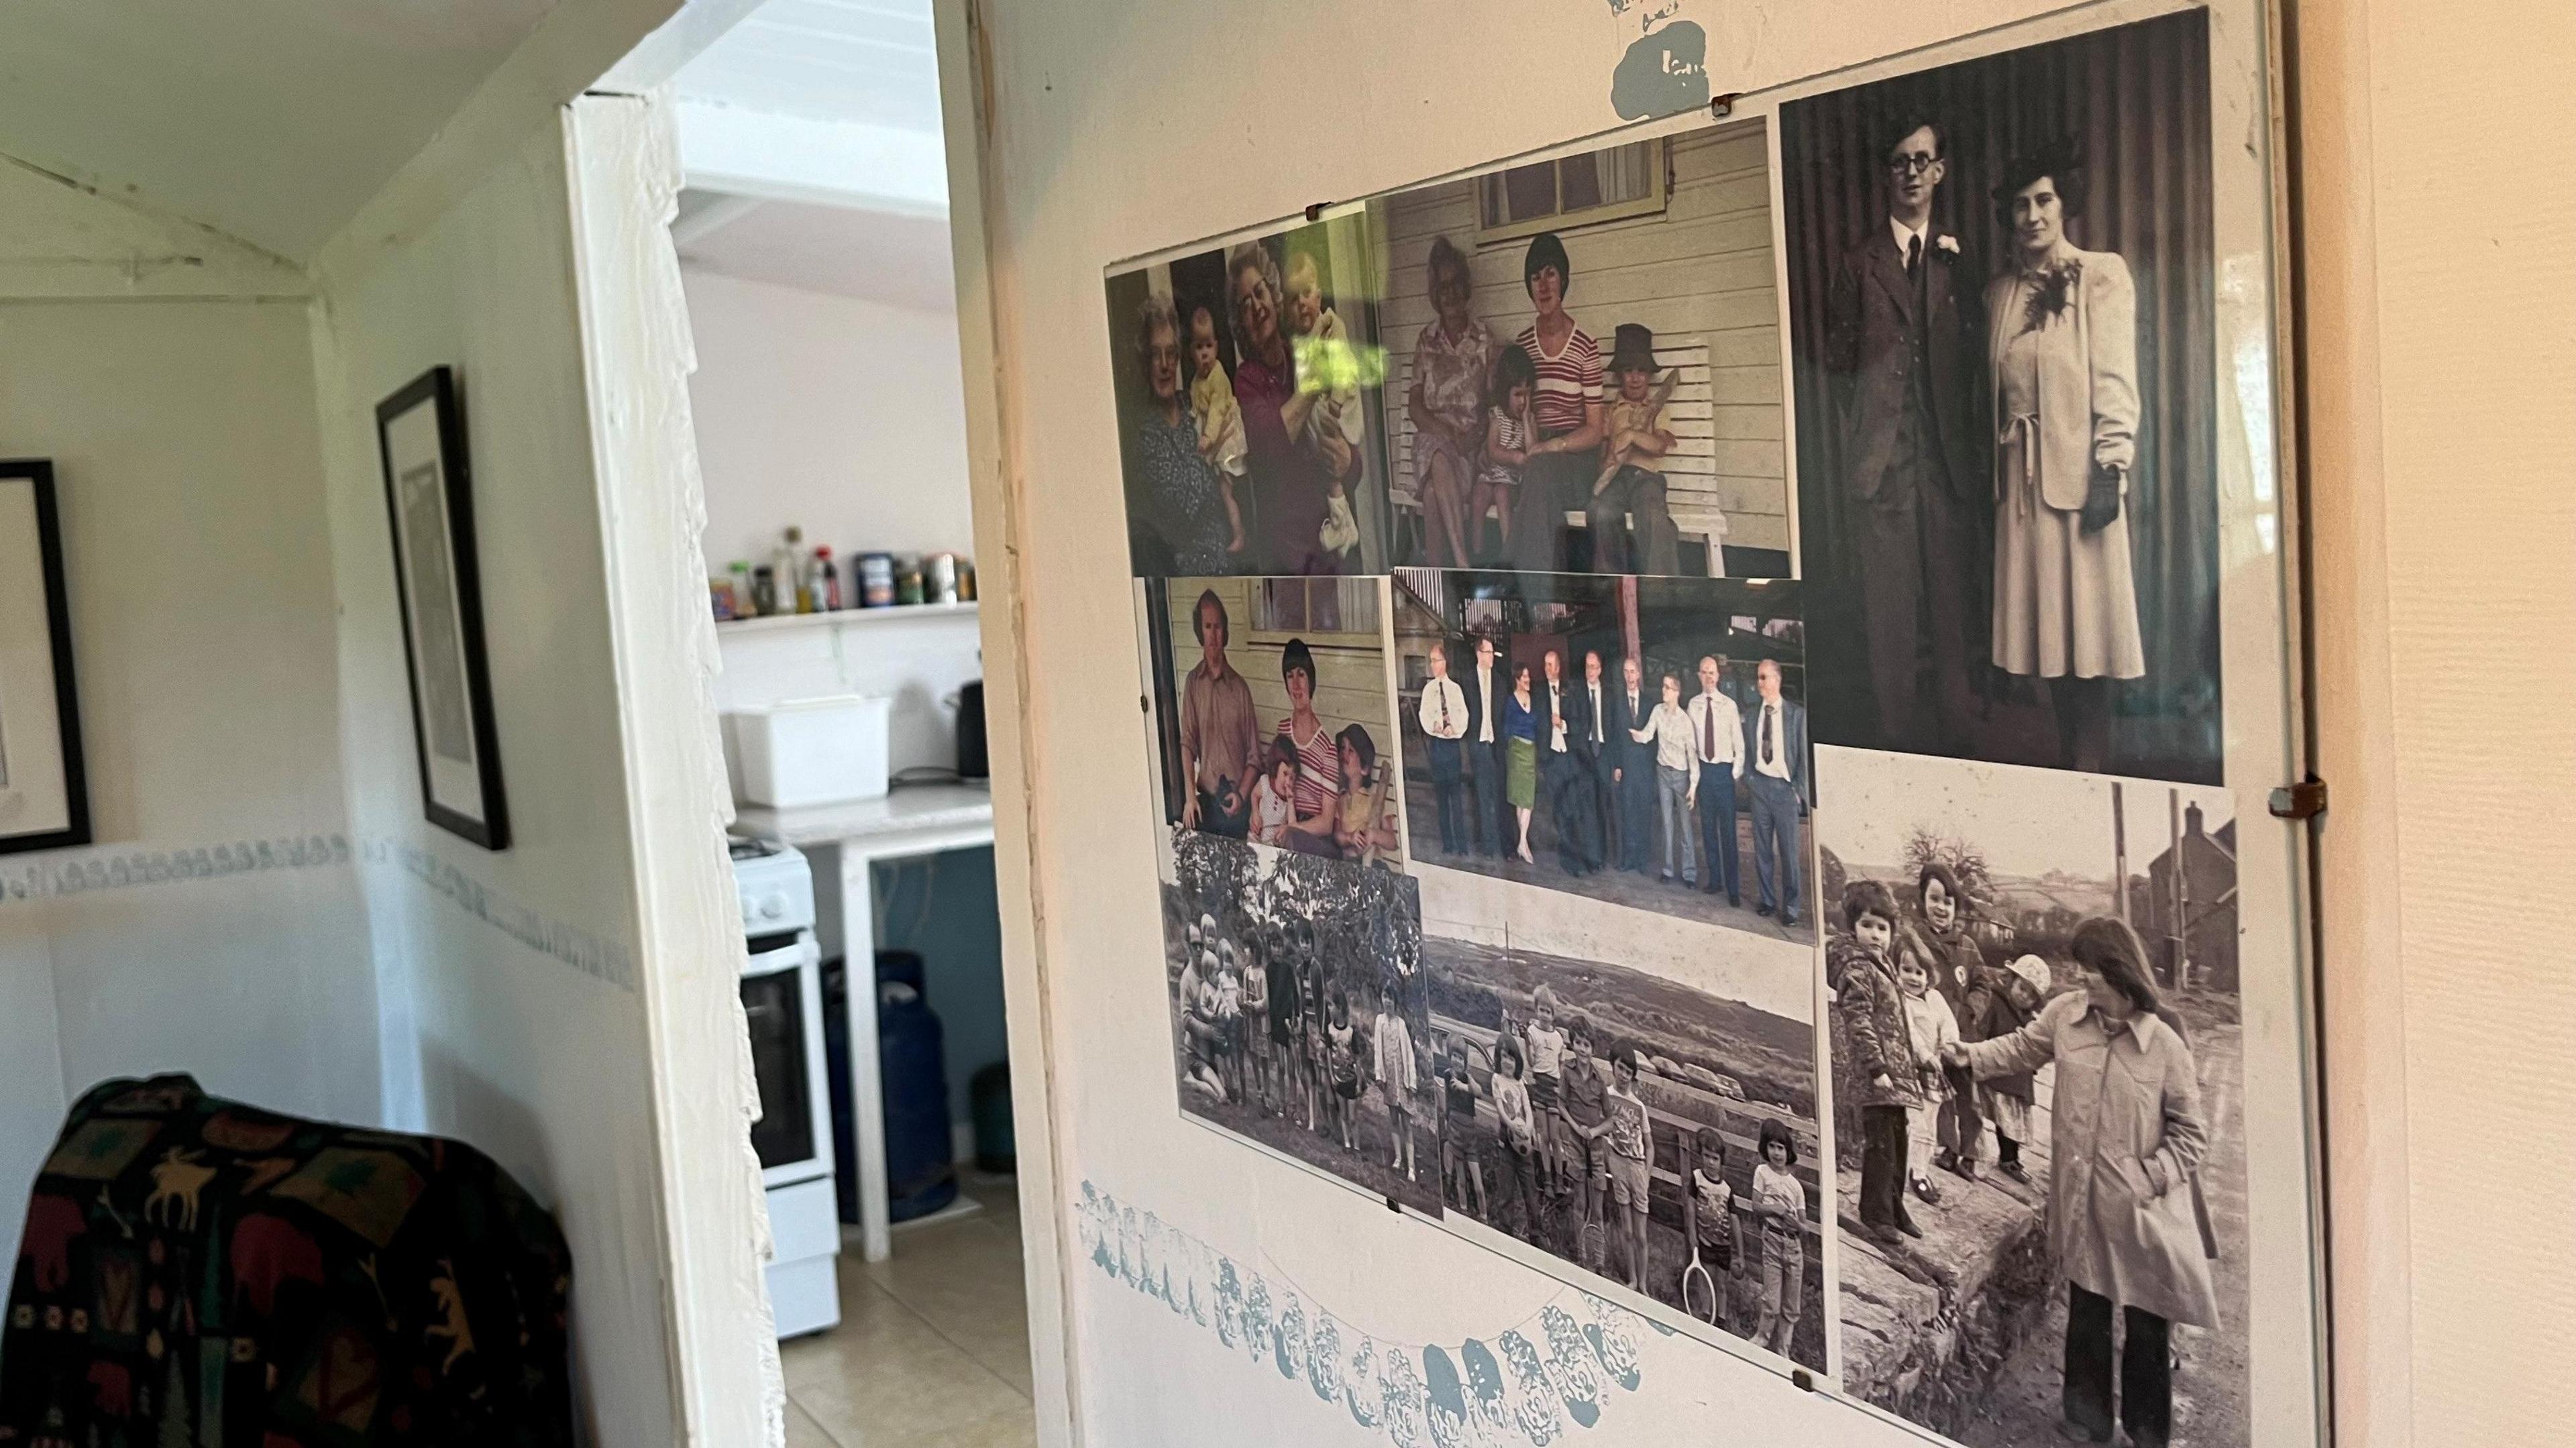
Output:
x,y
451,691
38,473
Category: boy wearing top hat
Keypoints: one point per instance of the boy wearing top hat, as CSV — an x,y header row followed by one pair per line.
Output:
x,y
1631,484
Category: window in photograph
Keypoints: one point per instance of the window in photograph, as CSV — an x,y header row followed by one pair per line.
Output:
x,y
1604,185
1315,605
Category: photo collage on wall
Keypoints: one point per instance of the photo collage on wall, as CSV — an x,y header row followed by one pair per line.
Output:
x,y
1686,688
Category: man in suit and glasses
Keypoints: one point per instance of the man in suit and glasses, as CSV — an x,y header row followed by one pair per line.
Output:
x,y
1903,344
1485,689
1775,768
1717,739
1443,714
1564,770
1632,770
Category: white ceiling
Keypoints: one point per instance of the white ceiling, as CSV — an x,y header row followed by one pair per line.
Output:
x,y
901,261
857,83
274,120
874,62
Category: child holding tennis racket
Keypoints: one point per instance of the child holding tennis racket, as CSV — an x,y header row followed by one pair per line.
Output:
x,y
1708,1225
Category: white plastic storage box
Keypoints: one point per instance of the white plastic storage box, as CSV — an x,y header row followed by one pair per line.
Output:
x,y
810,751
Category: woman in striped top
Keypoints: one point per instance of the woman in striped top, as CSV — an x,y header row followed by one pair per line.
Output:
x,y
1315,803
1567,411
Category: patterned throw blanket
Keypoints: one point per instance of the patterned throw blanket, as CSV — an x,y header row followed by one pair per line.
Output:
x,y
200,1274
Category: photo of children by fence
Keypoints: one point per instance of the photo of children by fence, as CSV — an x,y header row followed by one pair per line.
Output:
x,y
2002,299
1299,1005
2037,1067
1583,367
1271,710
1249,384
1634,740
1657,1136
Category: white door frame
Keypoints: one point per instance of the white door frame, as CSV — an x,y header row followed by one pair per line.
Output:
x,y
997,475
627,177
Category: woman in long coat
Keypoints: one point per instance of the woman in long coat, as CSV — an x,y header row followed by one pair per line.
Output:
x,y
2127,1139
2062,344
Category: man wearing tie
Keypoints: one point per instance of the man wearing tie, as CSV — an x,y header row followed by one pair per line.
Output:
x,y
1564,774
1597,748
1632,776
1444,722
1904,350
1717,739
1484,749
1775,766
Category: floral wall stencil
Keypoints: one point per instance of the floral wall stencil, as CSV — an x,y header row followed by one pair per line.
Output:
x,y
1532,1383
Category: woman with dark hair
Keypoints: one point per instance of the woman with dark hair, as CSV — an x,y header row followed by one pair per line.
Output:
x,y
1567,409
1179,499
1360,829
2062,341
2127,1137
1447,404
1315,805
1292,481
1941,916
1520,764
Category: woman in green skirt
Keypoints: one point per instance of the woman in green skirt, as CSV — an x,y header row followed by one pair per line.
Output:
x,y
1520,772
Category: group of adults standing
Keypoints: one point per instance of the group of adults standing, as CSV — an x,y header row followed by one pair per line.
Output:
x,y
1179,514
1614,758
1452,393
1988,432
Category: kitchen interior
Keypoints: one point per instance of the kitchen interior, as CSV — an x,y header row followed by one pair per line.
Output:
x,y
814,248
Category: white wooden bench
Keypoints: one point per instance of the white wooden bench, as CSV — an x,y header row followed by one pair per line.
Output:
x,y
1690,469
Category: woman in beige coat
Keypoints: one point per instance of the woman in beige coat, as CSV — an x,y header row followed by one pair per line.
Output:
x,y
2128,1137
2062,344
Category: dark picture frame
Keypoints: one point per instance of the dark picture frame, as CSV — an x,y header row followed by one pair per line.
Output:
x,y
429,504
67,823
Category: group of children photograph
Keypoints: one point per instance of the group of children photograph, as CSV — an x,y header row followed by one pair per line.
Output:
x,y
1548,1136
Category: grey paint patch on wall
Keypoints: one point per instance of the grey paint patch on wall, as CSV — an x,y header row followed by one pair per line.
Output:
x,y
1665,72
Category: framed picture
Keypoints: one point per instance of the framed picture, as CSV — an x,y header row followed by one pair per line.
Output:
x,y
431,503
44,798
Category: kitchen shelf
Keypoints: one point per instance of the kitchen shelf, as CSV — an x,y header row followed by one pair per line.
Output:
x,y
848,617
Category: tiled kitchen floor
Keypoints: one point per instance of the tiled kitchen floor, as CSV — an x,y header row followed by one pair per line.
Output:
x,y
933,1346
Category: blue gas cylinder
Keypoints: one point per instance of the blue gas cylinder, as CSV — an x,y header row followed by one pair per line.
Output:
x,y
921,1173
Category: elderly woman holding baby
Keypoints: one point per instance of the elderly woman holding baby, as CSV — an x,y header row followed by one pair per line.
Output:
x,y
1296,468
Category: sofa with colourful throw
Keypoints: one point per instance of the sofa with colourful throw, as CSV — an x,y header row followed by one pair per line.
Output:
x,y
202,1273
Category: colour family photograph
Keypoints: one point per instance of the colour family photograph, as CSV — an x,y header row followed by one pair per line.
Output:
x,y
1639,1123
1299,1011
1249,384
1271,711
2002,311
2037,1064
1583,367
1636,740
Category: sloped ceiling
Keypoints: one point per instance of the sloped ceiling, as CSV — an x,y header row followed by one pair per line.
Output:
x,y
873,62
272,120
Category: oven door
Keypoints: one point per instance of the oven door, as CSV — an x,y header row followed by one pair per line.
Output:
x,y
782,1001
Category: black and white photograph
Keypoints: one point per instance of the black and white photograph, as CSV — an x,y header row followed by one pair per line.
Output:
x,y
1250,389
1637,1100
1641,741
1299,1011
429,498
1271,711
44,789
1583,363
2038,1093
2002,306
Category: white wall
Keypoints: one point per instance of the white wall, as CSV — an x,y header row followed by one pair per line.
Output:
x,y
840,415
535,1052
167,373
